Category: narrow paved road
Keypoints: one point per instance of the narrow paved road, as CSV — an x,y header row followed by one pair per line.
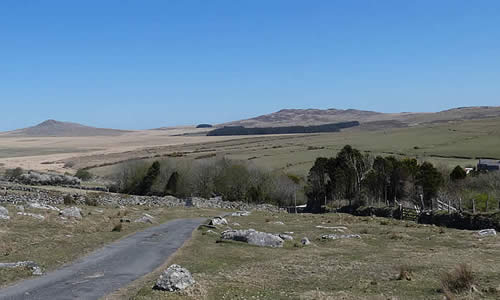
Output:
x,y
110,268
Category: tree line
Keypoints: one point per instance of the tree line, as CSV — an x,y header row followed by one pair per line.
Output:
x,y
240,130
362,179
231,180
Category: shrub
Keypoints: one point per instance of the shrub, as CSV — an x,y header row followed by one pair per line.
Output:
x,y
13,174
117,228
404,272
459,280
90,201
68,199
83,175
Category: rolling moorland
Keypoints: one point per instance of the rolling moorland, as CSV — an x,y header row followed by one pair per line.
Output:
x,y
387,259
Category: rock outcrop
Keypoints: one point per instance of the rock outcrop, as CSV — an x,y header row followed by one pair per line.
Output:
x,y
218,221
340,236
71,212
4,213
174,278
36,270
145,219
253,237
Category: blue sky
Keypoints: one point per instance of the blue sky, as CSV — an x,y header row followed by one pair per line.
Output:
x,y
146,64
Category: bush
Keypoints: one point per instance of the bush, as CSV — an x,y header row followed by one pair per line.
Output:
x,y
459,280
13,174
90,201
83,175
68,200
117,228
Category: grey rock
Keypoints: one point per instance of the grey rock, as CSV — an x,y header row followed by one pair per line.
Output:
x,y
43,206
24,264
240,214
340,236
174,278
487,232
4,213
253,237
236,224
218,221
71,212
305,241
145,219
279,223
36,216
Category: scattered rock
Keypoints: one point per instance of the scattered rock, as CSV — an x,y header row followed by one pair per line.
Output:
x,y
43,206
305,241
4,213
36,216
218,221
24,264
340,236
279,223
253,237
174,278
288,232
487,232
336,228
145,219
240,214
71,212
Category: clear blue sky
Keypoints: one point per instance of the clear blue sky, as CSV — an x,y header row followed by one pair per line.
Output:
x,y
145,64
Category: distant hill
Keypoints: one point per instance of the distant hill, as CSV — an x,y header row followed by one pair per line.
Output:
x,y
63,129
368,119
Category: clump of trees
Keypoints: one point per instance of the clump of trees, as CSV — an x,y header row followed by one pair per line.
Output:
x,y
361,179
240,130
232,180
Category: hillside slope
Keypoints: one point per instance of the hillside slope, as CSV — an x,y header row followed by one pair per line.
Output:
x,y
63,129
304,117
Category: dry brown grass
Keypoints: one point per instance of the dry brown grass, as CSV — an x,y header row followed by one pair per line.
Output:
x,y
341,269
458,280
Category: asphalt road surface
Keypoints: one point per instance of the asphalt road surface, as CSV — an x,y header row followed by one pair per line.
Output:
x,y
110,268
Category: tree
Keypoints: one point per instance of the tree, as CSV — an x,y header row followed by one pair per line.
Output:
x,y
83,175
145,185
171,187
354,166
316,189
458,174
430,180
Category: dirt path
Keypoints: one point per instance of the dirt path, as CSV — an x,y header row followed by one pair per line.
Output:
x,y
108,268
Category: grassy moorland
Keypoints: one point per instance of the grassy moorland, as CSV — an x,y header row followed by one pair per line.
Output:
x,y
55,241
366,268
450,144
